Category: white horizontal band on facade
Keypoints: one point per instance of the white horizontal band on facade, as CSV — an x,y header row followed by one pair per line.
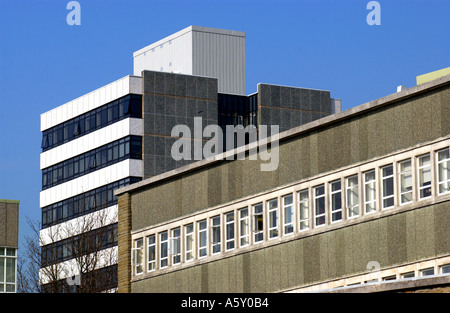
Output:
x,y
99,178
98,138
70,268
103,95
79,225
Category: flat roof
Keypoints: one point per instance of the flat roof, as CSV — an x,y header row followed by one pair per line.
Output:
x,y
338,117
9,201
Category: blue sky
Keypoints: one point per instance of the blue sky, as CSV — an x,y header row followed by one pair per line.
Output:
x,y
319,44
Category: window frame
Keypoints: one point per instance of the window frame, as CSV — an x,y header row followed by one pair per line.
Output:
x,y
230,223
189,237
348,190
301,207
202,246
151,262
174,246
445,180
291,206
138,250
366,183
246,220
420,173
258,217
385,178
316,198
272,231
400,185
215,227
331,206
162,242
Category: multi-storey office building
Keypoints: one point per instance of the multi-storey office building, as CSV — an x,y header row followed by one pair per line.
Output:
x,y
122,133
9,243
360,199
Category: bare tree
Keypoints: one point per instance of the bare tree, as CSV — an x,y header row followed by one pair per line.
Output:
x,y
75,256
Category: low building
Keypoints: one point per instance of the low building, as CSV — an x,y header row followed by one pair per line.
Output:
x,y
359,199
9,243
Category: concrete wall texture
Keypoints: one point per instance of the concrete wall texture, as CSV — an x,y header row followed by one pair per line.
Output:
x,y
385,126
9,223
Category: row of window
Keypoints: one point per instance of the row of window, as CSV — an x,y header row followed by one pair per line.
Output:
x,y
84,203
8,269
114,152
128,106
79,245
312,207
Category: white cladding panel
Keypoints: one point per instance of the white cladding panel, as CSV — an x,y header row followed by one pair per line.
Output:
x,y
199,51
221,56
90,101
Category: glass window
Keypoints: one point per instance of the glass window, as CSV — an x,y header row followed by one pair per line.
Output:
x,y
8,260
163,250
336,201
445,269
408,275
443,171
138,256
258,221
215,234
151,265
319,205
243,227
189,242
273,218
424,168
352,196
427,272
387,177
405,179
175,246
288,212
303,208
202,239
370,200
229,231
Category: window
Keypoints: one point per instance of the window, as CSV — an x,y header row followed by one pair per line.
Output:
x,y
424,168
174,246
408,275
336,201
243,227
138,256
370,200
273,218
229,231
163,250
427,272
352,196
288,214
303,208
319,205
215,234
387,190
151,264
8,270
405,179
445,269
258,223
189,242
202,238
443,171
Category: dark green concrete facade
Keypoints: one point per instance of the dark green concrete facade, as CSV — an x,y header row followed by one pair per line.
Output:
x,y
378,128
395,239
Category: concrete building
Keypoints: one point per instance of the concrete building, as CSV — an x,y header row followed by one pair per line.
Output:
x,y
359,202
9,243
121,133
